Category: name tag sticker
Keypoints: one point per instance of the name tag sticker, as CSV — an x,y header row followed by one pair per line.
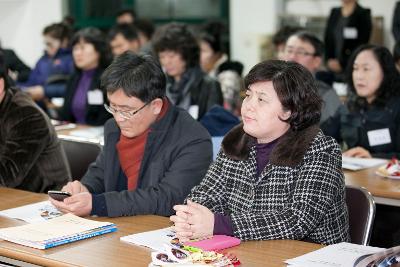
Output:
x,y
194,111
350,33
379,137
95,97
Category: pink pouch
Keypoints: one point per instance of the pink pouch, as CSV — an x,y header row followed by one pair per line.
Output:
x,y
217,242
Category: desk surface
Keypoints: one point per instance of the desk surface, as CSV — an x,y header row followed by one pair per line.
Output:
x,y
380,187
108,250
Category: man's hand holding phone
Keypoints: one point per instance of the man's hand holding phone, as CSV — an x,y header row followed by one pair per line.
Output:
x,y
58,195
80,201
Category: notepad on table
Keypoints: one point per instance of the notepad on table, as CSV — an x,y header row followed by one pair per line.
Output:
x,y
61,230
356,164
215,243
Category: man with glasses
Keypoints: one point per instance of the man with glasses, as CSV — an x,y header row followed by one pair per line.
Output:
x,y
154,152
307,50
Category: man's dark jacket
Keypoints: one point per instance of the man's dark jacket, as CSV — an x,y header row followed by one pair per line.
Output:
x,y
177,154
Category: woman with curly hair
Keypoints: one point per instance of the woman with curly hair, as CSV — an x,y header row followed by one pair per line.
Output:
x,y
187,85
277,175
369,124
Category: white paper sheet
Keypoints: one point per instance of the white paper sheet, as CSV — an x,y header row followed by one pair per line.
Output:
x,y
91,132
151,239
338,255
356,164
37,212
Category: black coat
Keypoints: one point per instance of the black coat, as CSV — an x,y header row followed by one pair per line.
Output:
x,y
13,63
353,127
205,92
31,156
95,114
360,19
177,154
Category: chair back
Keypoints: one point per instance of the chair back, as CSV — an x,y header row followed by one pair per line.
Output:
x,y
80,154
361,208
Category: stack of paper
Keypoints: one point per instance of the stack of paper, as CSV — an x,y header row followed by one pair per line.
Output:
x,y
338,255
356,164
61,230
32,213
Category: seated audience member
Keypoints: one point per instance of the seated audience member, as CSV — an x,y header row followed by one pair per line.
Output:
x,y
188,86
154,152
126,16
31,156
50,74
214,61
122,38
17,69
145,29
369,124
396,55
277,175
307,50
84,98
280,37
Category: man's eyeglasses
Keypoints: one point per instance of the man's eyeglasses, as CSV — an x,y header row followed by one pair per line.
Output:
x,y
125,114
298,52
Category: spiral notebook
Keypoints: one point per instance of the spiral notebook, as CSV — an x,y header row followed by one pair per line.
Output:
x,y
58,231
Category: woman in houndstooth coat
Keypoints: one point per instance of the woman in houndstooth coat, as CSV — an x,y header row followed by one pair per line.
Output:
x,y
277,175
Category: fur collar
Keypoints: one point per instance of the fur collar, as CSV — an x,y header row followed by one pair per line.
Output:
x,y
289,151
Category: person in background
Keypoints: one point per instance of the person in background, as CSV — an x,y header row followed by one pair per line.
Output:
x,y
369,123
214,61
48,77
277,175
348,27
187,85
307,50
84,98
212,50
154,152
123,37
280,37
126,16
145,29
31,156
17,69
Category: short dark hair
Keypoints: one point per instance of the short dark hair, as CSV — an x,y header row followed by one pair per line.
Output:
x,y
295,87
140,76
59,31
390,84
212,33
124,11
313,40
95,37
281,36
145,26
126,30
178,38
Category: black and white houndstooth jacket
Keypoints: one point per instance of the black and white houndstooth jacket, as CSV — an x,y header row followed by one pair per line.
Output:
x,y
299,195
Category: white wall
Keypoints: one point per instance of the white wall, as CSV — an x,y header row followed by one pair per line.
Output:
x,y
22,23
382,8
250,21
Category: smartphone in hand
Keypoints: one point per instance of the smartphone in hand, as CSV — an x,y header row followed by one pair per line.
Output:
x,y
58,195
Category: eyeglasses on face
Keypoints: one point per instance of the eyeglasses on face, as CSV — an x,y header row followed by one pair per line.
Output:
x,y
301,53
125,114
